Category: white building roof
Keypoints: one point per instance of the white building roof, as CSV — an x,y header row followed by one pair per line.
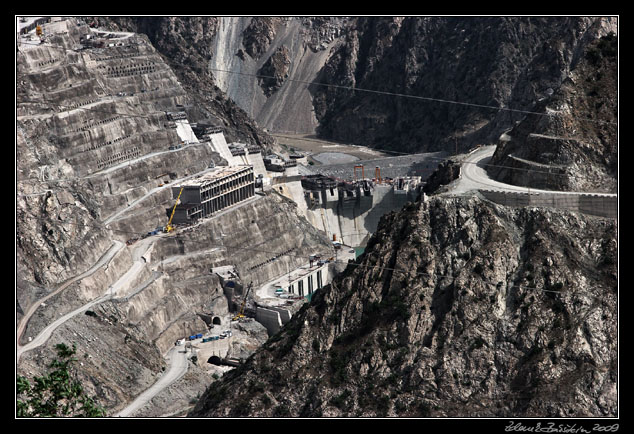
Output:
x,y
214,175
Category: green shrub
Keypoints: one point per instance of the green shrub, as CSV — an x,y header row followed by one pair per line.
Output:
x,y
57,393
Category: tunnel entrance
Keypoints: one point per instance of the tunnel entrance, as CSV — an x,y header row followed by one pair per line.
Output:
x,y
215,360
216,321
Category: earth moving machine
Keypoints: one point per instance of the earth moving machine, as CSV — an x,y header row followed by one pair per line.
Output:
x,y
240,314
169,228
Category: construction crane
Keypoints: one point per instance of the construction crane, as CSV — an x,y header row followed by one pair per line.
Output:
x,y
240,314
169,228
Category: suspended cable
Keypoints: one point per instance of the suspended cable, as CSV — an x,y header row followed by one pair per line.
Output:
x,y
337,86
402,95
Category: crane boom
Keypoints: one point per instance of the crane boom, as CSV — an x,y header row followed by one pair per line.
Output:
x,y
240,314
169,227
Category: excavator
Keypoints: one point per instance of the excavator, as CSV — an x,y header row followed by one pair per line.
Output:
x,y
169,228
240,314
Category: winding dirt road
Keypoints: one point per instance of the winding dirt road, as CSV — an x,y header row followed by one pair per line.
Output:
x,y
177,360
45,334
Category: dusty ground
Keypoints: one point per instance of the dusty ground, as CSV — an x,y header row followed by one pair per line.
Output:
x,y
325,152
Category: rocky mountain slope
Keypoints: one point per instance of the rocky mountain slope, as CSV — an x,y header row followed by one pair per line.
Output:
x,y
94,169
265,65
481,61
238,57
457,308
574,144
499,311
185,44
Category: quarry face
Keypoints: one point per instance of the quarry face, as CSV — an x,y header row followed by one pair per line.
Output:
x,y
102,136
182,248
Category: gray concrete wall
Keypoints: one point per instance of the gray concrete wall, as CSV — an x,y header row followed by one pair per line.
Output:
x,y
592,204
219,144
269,318
605,206
285,314
352,220
204,350
256,161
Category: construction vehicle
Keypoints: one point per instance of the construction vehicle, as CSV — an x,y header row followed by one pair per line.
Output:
x,y
169,228
240,314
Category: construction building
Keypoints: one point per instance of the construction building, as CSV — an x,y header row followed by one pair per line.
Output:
x,y
306,280
274,163
212,192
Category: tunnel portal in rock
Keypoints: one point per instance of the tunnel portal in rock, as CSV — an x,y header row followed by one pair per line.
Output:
x,y
214,360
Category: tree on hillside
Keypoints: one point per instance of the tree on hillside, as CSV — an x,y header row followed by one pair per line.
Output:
x,y
58,393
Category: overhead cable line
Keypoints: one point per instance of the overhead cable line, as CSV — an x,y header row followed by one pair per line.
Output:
x,y
403,95
345,87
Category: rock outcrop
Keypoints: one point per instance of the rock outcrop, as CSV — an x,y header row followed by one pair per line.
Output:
x,y
493,61
483,62
186,44
274,71
458,308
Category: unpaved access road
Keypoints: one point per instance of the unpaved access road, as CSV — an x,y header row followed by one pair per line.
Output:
x,y
177,360
474,176
105,259
114,290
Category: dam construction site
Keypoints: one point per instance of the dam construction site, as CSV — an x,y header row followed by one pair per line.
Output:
x,y
164,241
167,237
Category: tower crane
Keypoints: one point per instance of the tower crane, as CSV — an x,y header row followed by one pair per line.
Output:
x,y
169,228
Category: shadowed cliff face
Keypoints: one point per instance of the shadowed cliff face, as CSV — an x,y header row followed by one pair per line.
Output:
x,y
480,61
574,144
490,61
457,308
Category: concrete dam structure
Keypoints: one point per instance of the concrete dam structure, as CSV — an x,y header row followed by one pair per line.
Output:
x,y
349,212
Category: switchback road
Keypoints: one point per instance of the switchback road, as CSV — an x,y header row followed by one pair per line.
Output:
x,y
473,176
114,249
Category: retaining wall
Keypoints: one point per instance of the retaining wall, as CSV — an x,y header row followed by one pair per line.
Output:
x,y
269,318
602,205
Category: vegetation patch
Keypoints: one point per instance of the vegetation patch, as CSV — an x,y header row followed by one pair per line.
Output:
x,y
58,393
